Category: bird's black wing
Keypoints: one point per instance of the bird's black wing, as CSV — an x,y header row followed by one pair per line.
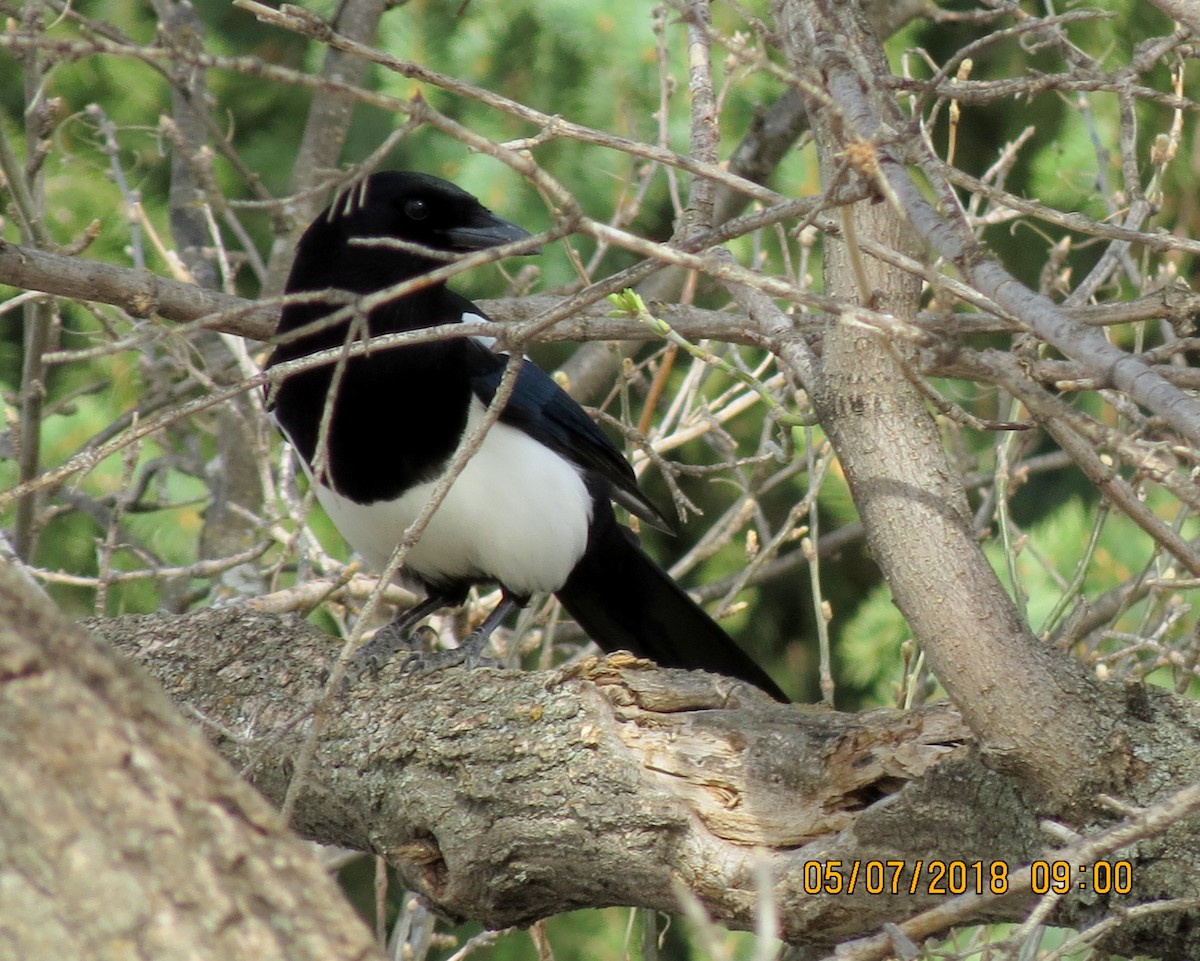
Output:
x,y
544,411
624,601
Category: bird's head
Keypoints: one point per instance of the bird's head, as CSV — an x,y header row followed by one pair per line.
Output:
x,y
392,227
413,208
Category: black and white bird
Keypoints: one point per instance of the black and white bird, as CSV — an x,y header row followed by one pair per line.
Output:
x,y
532,509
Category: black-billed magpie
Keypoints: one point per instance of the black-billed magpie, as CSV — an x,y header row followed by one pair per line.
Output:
x,y
532,510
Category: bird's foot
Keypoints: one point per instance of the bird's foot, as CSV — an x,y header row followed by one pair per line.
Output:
x,y
469,654
388,641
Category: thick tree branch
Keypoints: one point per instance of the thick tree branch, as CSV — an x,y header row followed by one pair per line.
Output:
x,y
1050,729
137,292
508,796
123,834
142,294
873,122
1181,10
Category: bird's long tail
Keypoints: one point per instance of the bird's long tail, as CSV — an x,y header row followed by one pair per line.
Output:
x,y
625,601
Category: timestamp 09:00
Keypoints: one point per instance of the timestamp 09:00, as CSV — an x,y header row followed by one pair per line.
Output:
x,y
962,877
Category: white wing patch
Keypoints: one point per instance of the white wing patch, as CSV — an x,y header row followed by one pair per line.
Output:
x,y
517,514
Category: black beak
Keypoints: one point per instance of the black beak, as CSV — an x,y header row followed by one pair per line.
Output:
x,y
487,230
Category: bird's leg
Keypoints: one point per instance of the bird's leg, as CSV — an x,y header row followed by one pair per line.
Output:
x,y
470,651
394,636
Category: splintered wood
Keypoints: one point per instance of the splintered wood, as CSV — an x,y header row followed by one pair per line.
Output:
x,y
777,775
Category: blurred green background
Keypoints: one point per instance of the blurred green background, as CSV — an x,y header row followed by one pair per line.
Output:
x,y
599,65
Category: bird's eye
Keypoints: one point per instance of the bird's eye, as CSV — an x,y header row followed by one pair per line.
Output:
x,y
416,209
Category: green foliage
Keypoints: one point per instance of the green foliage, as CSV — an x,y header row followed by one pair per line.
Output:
x,y
535,53
868,648
1048,561
597,65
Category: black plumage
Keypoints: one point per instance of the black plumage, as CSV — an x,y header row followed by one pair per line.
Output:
x,y
532,511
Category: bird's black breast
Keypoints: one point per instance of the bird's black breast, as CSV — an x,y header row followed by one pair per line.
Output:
x,y
398,413
396,418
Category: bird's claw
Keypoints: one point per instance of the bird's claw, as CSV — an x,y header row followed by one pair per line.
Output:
x,y
387,642
469,655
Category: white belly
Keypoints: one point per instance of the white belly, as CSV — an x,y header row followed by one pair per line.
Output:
x,y
517,514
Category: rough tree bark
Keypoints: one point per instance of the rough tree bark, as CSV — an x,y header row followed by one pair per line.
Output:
x,y
122,834
505,797
1050,729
